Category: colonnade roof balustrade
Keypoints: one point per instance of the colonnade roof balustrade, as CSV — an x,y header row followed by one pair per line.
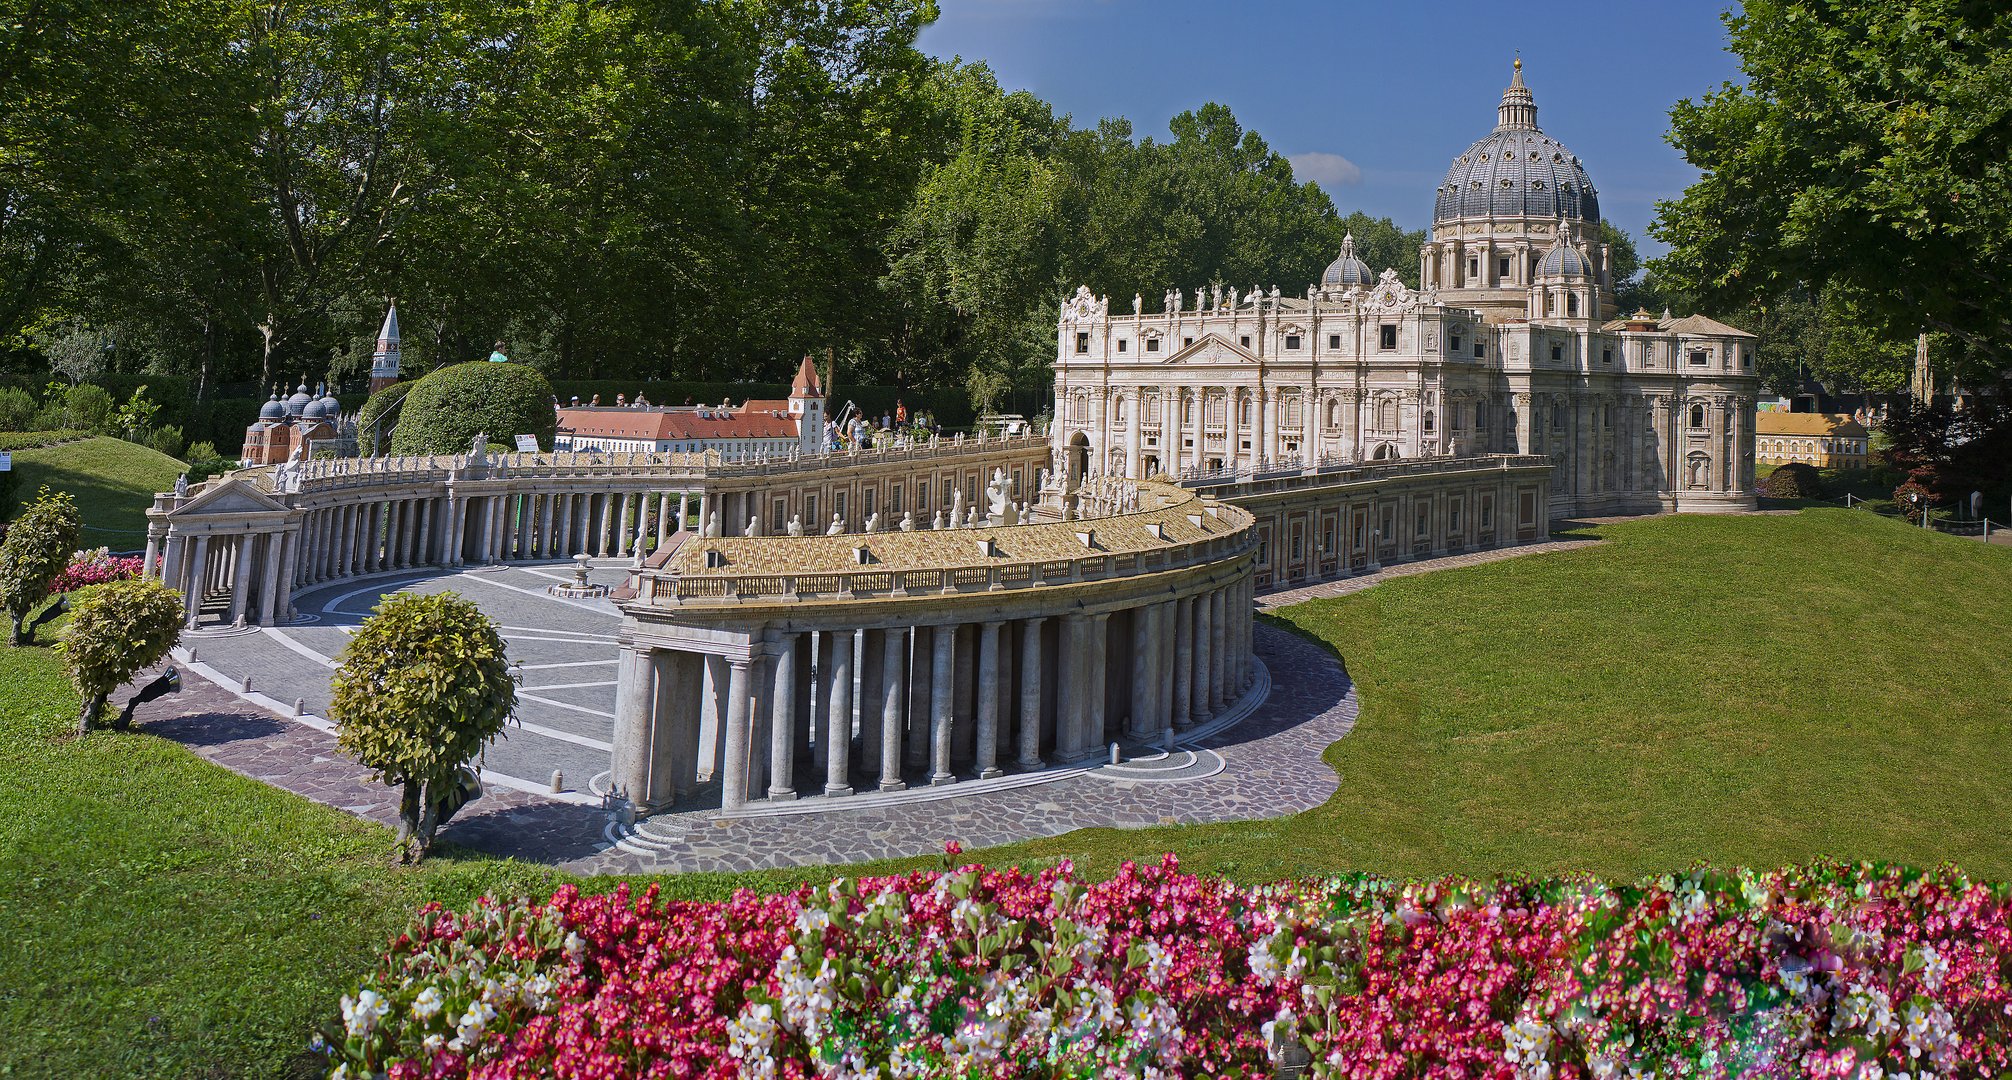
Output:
x,y
331,474
1333,472
1172,530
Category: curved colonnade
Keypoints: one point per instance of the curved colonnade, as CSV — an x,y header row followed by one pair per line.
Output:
x,y
782,667
240,545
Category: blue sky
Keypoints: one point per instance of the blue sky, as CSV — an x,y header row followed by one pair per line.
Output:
x,y
1386,94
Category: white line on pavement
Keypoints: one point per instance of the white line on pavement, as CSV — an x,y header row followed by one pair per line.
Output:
x,y
564,736
570,685
564,705
277,635
568,663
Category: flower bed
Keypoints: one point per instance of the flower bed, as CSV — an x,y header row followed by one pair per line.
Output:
x,y
1825,970
95,568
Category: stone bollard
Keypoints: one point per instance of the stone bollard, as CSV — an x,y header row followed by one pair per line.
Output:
x,y
244,685
192,654
1114,753
558,781
299,706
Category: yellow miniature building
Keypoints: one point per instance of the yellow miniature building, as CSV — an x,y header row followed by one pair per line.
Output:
x,y
1825,440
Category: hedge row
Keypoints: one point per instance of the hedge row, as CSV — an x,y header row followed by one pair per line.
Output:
x,y
35,440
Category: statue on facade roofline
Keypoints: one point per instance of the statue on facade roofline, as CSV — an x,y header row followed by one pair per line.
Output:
x,y
754,526
873,522
713,524
936,523
908,521
837,526
796,525
182,486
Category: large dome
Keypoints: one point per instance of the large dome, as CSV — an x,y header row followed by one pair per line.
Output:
x,y
1517,171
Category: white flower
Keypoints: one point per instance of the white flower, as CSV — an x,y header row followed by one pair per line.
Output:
x,y
434,1043
812,920
427,1005
361,1014
468,1031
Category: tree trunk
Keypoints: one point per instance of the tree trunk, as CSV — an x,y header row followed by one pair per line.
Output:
x,y
269,338
94,709
21,635
429,819
408,819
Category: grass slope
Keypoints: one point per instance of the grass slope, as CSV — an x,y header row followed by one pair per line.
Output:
x,y
1754,690
114,482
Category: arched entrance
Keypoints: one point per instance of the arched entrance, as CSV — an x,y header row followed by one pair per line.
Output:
x,y
1385,452
1078,454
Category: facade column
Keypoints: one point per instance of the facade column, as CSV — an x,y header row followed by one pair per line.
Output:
x,y
782,726
916,752
734,763
838,717
663,518
684,499
893,710
943,703
452,530
1184,661
171,563
988,700
1218,639
428,510
1030,694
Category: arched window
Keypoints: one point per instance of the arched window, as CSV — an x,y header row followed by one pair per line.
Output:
x,y
1244,413
1187,410
1697,416
1118,409
1428,421
1079,408
1571,303
1386,415
1333,413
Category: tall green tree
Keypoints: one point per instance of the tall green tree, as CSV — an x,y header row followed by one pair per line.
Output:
x,y
1865,154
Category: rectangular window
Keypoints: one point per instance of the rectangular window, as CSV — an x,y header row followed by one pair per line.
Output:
x,y
1245,341
1474,268
1187,341
1487,512
894,500
1386,337
1334,341
1453,343
1082,342
868,504
1502,267
1121,344
1480,351
1292,341
1607,354
1557,352
1699,358
838,503
922,494
1152,344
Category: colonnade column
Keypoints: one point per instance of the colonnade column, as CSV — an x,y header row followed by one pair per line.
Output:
x,y
198,579
1218,639
1138,722
734,739
1030,694
1184,661
838,717
635,704
1071,687
272,585
893,710
943,703
988,700
1093,736
782,724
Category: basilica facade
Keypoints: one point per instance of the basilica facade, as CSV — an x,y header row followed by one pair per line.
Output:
x,y
1511,346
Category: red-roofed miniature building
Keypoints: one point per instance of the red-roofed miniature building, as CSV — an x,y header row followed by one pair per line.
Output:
x,y
757,426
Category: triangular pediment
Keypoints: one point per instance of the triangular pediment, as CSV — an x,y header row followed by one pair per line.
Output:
x,y
1213,349
229,495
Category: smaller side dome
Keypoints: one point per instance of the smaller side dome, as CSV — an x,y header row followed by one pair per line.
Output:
x,y
1346,269
299,400
1563,261
330,407
272,411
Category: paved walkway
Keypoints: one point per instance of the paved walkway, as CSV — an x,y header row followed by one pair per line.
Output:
x,y
1278,598
1267,765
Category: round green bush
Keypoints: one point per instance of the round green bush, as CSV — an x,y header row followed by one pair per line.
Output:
x,y
1795,480
446,410
371,439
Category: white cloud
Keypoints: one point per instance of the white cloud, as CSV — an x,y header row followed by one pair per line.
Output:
x,y
1332,169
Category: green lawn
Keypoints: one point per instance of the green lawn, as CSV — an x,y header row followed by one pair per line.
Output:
x,y
113,481
1754,690
162,916
1751,689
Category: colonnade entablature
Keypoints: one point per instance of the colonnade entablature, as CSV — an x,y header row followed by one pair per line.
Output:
x,y
772,668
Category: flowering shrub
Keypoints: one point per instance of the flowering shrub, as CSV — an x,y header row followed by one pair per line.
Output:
x,y
1829,970
96,568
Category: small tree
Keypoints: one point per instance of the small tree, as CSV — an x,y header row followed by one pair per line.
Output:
x,y
1913,501
115,630
421,688
37,548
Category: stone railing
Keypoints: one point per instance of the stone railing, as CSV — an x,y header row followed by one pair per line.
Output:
x,y
1335,471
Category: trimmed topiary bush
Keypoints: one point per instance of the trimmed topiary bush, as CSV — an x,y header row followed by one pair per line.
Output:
x,y
371,439
446,410
1795,480
116,629
37,548
422,687
1913,500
